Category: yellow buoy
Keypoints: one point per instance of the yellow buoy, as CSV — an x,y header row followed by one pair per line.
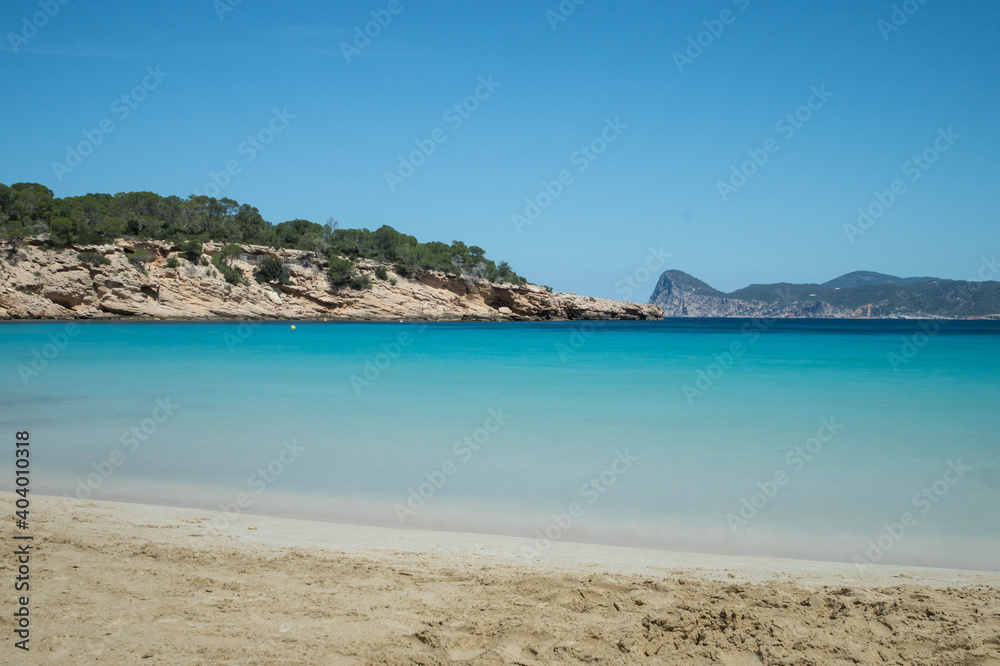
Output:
x,y
293,327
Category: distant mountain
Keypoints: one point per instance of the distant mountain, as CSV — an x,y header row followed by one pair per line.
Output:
x,y
858,295
870,278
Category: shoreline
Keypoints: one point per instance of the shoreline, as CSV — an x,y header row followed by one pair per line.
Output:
x,y
131,583
152,319
272,531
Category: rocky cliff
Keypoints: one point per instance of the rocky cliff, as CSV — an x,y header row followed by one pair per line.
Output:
x,y
681,295
36,282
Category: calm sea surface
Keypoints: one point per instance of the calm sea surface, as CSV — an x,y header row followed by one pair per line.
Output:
x,y
853,441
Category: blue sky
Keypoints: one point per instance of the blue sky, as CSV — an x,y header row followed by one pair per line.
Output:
x,y
681,130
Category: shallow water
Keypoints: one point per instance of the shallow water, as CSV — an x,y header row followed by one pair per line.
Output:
x,y
805,439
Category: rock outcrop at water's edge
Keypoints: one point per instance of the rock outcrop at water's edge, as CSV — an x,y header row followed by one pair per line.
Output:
x,y
40,283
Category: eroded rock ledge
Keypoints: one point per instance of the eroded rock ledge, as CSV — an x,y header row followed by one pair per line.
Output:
x,y
40,283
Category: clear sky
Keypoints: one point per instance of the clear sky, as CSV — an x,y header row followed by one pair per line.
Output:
x,y
673,128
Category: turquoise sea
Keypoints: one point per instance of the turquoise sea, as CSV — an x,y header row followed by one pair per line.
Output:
x,y
845,440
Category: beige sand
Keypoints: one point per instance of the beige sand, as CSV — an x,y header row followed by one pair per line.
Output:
x,y
120,583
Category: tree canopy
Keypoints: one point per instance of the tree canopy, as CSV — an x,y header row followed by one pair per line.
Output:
x,y
31,209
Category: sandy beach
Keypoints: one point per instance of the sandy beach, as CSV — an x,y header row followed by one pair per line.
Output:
x,y
129,583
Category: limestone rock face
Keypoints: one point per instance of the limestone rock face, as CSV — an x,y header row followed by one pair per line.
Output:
x,y
68,288
36,282
681,295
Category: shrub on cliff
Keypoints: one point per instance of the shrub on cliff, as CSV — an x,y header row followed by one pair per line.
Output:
x,y
339,272
361,282
140,259
271,270
381,273
232,274
191,250
94,259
